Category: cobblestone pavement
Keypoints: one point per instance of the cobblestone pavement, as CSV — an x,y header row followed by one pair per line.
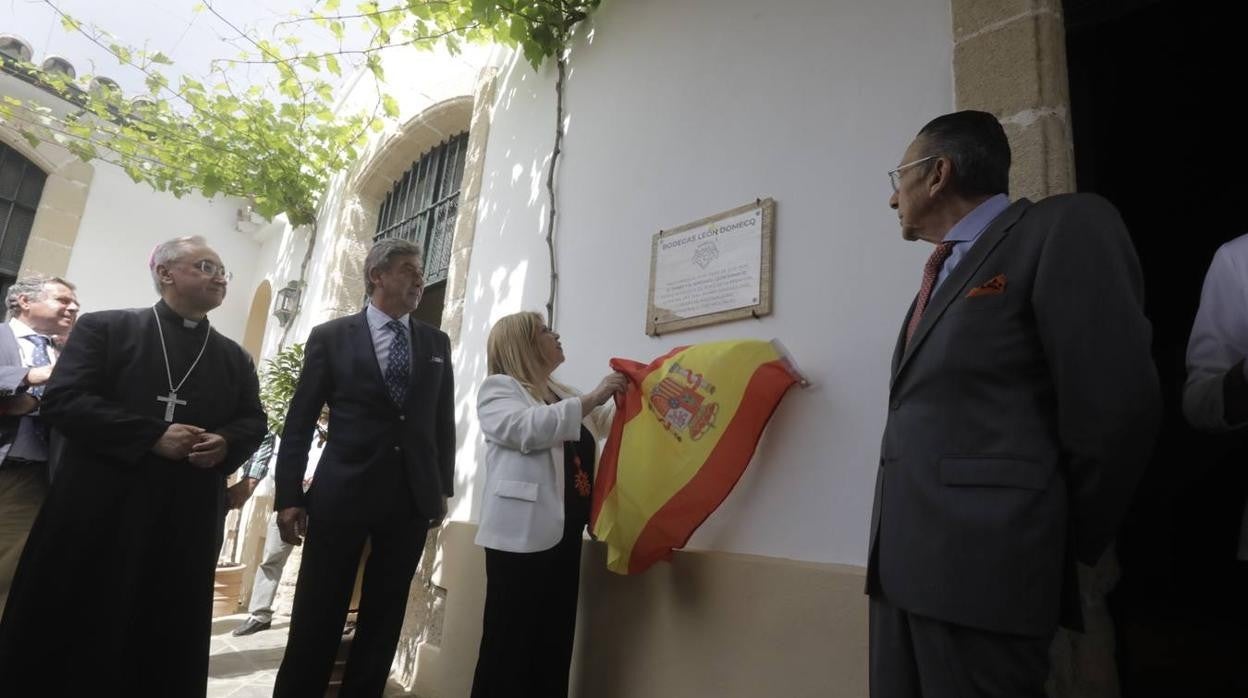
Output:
x,y
245,667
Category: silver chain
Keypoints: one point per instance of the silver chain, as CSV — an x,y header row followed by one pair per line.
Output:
x,y
165,353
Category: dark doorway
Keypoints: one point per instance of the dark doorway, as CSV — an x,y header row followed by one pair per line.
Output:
x,y
1155,89
431,304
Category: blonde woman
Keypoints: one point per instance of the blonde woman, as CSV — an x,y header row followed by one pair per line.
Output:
x,y
540,448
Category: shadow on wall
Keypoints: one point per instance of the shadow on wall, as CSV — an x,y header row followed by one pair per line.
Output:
x,y
508,244
510,265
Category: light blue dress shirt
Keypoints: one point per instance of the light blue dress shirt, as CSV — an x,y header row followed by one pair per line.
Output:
x,y
382,337
967,231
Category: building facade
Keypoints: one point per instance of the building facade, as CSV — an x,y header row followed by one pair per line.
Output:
x,y
672,112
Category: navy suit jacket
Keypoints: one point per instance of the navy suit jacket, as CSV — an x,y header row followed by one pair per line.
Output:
x,y
368,433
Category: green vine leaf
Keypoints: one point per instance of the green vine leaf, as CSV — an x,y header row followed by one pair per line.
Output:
x,y
277,146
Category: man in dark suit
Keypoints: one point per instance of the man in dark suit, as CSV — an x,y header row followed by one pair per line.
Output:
x,y
40,307
1022,408
384,476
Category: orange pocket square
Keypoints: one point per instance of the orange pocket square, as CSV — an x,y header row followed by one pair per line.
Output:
x,y
994,287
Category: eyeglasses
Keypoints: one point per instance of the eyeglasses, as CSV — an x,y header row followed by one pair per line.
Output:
x,y
894,176
211,268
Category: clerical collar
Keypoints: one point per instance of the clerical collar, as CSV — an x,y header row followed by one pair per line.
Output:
x,y
378,319
163,309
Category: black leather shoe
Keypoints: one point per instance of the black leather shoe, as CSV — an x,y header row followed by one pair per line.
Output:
x,y
251,626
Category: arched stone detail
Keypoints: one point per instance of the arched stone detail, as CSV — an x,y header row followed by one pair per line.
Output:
x,y
391,157
55,228
1009,58
384,163
258,319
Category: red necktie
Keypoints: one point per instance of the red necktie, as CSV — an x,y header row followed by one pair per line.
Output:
x,y
931,271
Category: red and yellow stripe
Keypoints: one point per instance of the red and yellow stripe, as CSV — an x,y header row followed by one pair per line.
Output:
x,y
656,484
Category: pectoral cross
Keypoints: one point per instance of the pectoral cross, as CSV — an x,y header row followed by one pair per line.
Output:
x,y
170,401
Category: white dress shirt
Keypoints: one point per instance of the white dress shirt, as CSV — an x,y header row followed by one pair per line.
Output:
x,y
1219,341
965,233
383,337
23,333
1219,336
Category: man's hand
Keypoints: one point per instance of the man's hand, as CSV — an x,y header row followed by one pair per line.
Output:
x,y
292,523
38,375
177,441
19,404
209,451
238,493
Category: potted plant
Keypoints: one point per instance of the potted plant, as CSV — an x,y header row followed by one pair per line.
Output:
x,y
227,588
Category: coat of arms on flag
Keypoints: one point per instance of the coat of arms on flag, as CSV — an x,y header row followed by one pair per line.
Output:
x,y
681,401
682,436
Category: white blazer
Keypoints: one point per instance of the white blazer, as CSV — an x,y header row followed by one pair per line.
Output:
x,y
522,509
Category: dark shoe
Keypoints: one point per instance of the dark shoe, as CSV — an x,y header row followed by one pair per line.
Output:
x,y
253,625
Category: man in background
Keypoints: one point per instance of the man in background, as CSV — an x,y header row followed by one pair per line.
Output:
x,y
1215,395
40,308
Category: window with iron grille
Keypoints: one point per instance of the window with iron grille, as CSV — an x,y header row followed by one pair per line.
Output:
x,y
423,205
21,185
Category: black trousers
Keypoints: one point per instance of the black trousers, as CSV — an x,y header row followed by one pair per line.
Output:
x,y
331,558
146,541
530,621
917,657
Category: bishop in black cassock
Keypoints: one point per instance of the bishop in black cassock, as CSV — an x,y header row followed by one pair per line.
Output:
x,y
115,585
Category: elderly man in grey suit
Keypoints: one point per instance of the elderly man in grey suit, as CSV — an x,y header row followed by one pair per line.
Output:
x,y
40,308
1023,406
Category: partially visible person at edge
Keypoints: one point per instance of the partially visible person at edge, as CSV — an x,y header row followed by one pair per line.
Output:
x,y
540,451
40,309
1215,394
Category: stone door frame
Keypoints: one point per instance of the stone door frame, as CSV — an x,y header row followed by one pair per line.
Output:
x,y
64,199
1009,58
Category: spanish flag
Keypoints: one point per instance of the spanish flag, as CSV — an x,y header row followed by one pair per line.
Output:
x,y
683,433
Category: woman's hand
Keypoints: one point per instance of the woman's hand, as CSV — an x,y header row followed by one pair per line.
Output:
x,y
614,382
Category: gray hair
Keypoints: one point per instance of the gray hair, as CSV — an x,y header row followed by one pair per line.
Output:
x,y
169,251
34,287
382,253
